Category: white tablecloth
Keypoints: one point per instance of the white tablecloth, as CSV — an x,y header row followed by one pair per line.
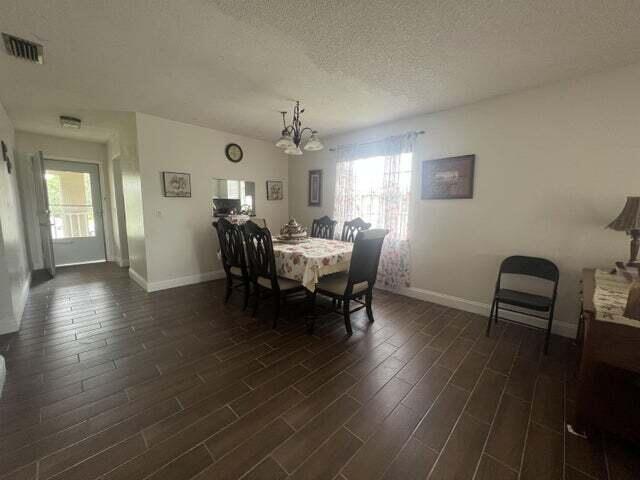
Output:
x,y
307,262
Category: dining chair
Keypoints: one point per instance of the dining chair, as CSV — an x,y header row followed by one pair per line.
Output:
x,y
351,228
233,258
262,268
323,227
528,267
360,279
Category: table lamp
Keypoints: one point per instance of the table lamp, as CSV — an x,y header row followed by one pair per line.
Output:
x,y
629,221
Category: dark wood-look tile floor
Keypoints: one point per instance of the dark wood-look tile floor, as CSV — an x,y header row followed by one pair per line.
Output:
x,y
107,381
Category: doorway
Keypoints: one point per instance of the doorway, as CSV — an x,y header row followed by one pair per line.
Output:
x,y
75,212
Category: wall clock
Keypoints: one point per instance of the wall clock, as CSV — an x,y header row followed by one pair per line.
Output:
x,y
233,152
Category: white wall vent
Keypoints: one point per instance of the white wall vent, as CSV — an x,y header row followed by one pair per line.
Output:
x,y
24,49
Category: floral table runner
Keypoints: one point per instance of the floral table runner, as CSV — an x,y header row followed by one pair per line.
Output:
x,y
308,261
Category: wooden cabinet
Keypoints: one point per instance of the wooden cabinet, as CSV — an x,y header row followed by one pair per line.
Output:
x,y
608,394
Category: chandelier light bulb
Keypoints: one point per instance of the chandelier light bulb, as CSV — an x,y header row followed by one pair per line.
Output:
x,y
293,150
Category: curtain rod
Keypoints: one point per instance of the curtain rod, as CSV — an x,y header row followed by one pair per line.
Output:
x,y
418,132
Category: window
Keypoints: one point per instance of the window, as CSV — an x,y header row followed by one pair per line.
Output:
x,y
377,189
233,189
373,181
71,205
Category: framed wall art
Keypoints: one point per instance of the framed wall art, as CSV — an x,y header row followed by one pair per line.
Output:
x,y
275,190
448,178
315,188
176,184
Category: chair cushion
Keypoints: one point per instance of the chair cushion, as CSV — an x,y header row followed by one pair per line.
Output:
x,y
283,283
337,283
523,299
236,271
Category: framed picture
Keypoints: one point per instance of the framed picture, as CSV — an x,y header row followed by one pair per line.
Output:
x,y
274,190
448,178
315,188
176,184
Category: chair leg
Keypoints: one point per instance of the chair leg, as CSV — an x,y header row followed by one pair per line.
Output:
x,y
312,311
228,291
333,303
256,289
247,292
495,319
276,308
493,306
347,316
548,336
368,301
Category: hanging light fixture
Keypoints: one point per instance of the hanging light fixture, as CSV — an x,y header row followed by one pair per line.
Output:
x,y
291,135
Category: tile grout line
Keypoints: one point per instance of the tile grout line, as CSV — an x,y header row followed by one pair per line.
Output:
x,y
533,397
326,440
497,408
526,434
453,373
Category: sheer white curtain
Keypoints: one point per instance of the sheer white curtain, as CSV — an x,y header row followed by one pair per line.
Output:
x,y
373,181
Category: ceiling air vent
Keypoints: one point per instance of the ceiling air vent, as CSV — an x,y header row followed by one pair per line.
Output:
x,y
24,49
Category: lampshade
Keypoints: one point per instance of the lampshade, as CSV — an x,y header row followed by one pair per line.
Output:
x,y
284,142
293,150
314,143
629,218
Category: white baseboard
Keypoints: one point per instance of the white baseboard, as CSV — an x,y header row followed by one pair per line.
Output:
x,y
121,263
82,263
560,328
136,277
182,281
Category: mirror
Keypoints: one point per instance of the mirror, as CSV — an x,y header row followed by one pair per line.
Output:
x,y
232,197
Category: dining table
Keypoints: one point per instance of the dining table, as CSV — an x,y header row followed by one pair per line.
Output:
x,y
307,261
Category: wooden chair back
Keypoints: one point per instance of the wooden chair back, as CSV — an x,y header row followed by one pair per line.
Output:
x,y
323,227
231,246
365,257
260,252
350,229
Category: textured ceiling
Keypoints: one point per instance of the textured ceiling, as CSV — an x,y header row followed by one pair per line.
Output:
x,y
232,64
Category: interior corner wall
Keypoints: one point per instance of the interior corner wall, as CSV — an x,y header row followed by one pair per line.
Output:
x,y
553,167
132,199
14,266
181,244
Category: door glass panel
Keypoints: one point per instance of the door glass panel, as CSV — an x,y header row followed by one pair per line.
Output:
x,y
70,204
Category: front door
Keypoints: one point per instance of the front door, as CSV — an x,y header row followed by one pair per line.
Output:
x,y
73,190
44,219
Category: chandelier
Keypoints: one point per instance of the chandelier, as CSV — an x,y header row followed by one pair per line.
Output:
x,y
291,135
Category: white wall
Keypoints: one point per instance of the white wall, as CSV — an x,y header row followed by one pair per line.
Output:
x,y
14,268
118,218
180,240
124,146
553,167
58,148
